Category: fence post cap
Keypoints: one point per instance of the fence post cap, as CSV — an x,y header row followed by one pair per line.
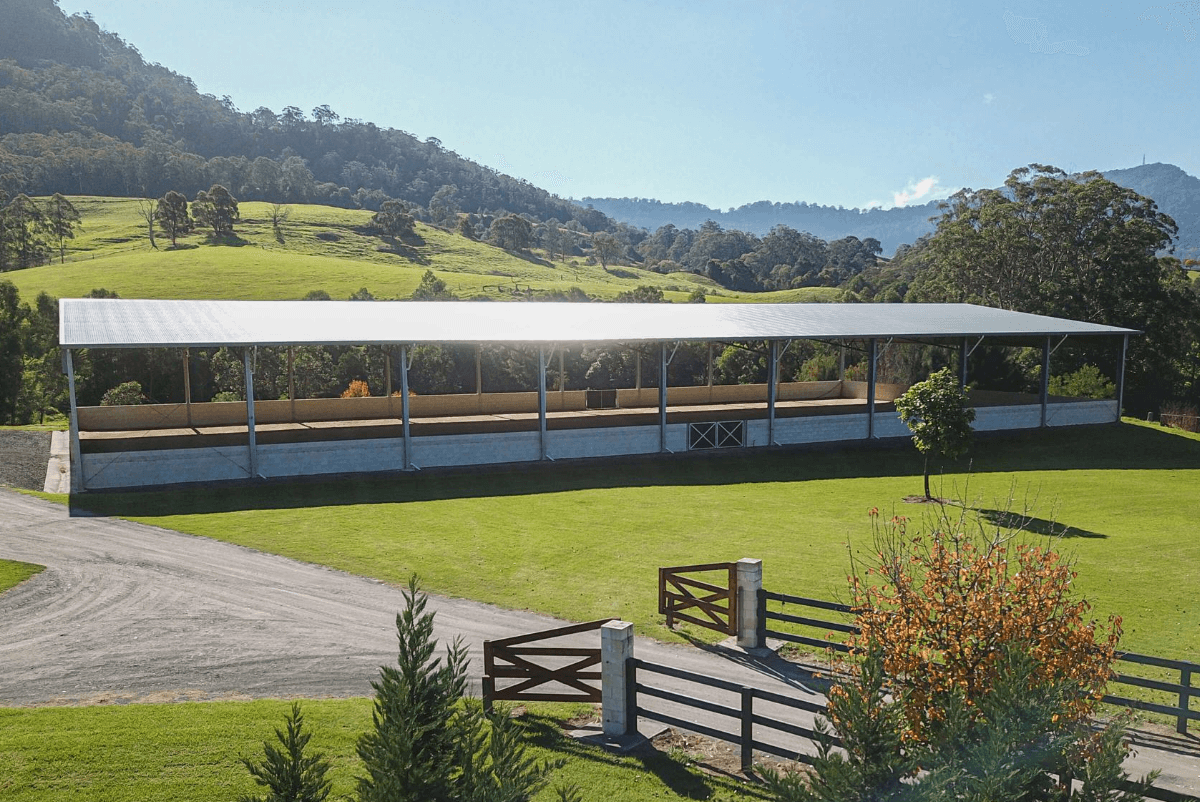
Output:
x,y
749,561
617,626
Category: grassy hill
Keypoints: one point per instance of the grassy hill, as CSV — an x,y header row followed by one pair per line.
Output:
x,y
330,249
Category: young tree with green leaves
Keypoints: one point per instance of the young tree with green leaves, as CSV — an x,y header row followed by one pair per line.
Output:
x,y
172,214
25,228
217,209
605,248
511,232
290,774
393,220
61,220
432,288
936,412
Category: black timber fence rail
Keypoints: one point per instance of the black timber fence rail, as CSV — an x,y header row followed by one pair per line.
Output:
x,y
1183,691
745,721
513,659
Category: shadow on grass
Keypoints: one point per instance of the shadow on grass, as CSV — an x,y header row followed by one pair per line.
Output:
x,y
1010,519
683,780
1121,447
227,240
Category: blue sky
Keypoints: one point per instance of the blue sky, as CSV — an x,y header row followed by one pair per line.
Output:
x,y
722,103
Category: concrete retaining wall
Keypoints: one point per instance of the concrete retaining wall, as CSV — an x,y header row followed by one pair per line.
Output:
x,y
233,413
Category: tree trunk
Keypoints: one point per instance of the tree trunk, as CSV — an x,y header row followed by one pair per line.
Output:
x,y
927,494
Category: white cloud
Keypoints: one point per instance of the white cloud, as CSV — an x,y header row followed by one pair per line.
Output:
x,y
988,98
1033,32
915,191
1185,16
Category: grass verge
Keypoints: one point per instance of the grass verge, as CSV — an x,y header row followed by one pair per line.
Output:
x,y
190,751
13,573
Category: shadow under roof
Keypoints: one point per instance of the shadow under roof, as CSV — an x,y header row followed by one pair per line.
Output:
x,y
126,323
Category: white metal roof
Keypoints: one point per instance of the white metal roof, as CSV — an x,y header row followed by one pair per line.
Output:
x,y
122,323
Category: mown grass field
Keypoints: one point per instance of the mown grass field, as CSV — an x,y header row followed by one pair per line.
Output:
x,y
13,573
140,753
586,542
330,249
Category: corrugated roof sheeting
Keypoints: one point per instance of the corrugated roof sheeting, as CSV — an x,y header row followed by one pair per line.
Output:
x,y
122,323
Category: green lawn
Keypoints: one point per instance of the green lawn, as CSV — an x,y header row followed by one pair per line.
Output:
x,y
140,753
586,542
13,573
325,248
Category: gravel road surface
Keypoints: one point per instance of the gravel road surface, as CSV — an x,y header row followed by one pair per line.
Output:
x,y
23,457
126,612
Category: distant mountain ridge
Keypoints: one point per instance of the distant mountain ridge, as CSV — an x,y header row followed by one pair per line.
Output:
x,y
1175,192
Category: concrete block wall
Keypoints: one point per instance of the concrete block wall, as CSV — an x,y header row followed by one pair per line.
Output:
x,y
991,419
1078,413
152,468
613,442
454,450
226,463
821,429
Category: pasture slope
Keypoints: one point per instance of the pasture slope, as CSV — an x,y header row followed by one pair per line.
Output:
x,y
330,249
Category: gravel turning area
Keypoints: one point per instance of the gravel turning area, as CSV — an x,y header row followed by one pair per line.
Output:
x,y
126,612
23,457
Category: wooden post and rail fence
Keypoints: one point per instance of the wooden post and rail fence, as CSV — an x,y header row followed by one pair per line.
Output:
x,y
729,598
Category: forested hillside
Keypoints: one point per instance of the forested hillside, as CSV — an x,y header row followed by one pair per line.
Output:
x,y
81,112
891,227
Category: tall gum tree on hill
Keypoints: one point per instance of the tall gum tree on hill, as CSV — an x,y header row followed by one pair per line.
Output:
x,y
1075,246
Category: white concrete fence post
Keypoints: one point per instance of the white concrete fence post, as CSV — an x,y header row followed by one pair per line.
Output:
x,y
749,582
616,646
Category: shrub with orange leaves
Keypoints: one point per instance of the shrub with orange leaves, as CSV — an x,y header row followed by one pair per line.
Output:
x,y
975,669
946,605
357,389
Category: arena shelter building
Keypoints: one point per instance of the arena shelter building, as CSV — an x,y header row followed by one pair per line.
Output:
x,y
154,445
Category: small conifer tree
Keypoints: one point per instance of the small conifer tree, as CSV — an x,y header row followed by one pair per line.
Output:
x,y
428,744
289,774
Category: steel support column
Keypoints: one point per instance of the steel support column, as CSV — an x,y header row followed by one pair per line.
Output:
x,y
662,398
1045,390
291,359
479,369
542,402
1121,376
77,479
962,364
871,351
404,406
252,441
772,387
187,383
